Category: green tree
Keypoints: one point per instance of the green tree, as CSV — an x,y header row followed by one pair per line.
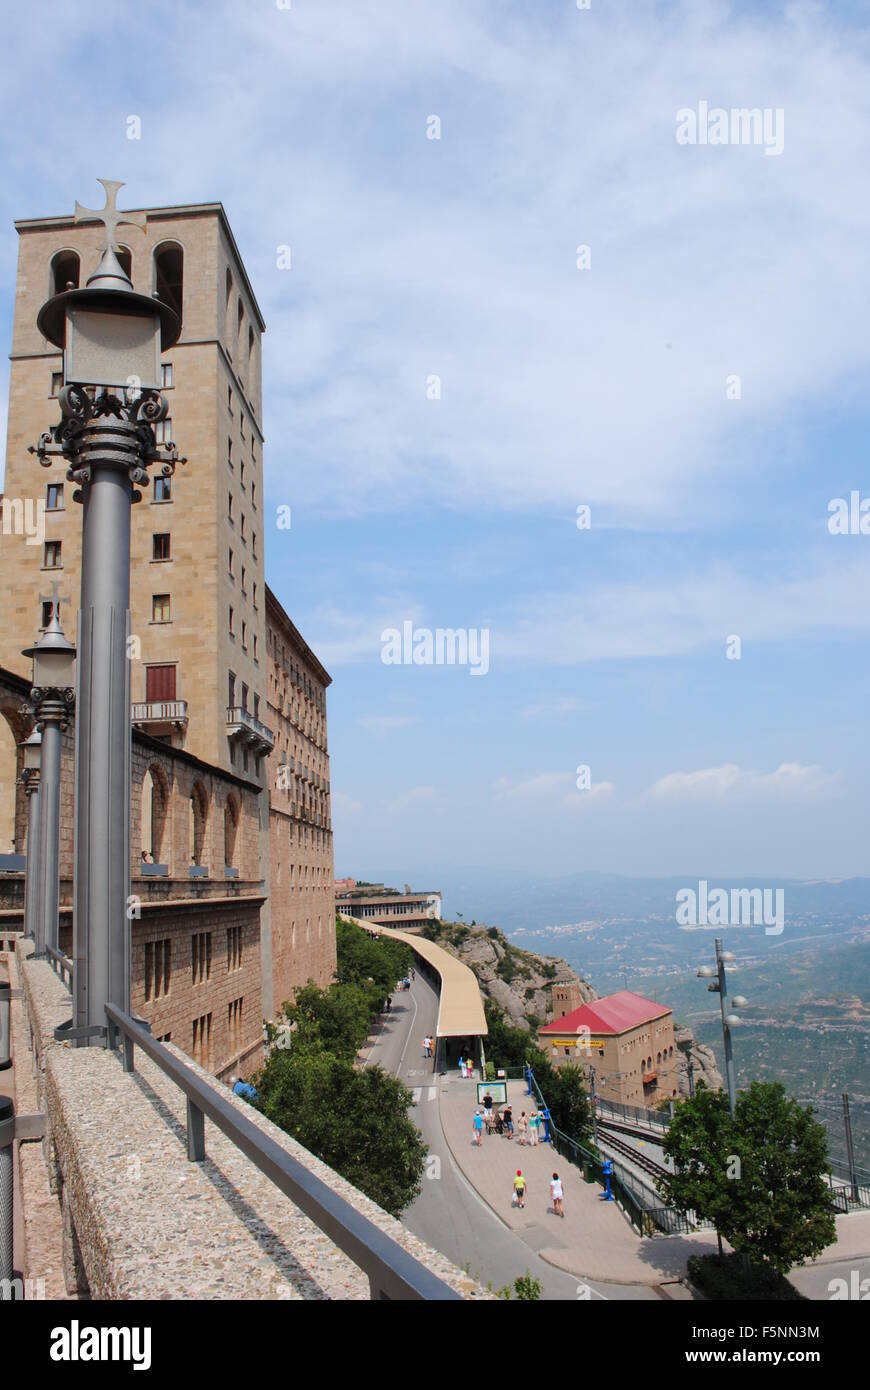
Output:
x,y
564,1089
338,1018
356,1121
760,1177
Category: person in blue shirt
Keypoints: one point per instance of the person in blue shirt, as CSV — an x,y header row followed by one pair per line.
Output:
x,y
478,1128
243,1088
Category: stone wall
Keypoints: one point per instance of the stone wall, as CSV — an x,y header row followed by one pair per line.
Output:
x,y
141,1221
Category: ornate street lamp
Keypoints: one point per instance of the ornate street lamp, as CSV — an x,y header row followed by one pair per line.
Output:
x,y
111,339
31,748
51,702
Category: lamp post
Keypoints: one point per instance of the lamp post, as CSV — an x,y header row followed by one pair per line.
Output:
x,y
30,777
111,339
51,701
719,986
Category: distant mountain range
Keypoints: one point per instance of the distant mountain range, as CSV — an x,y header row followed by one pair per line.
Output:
x,y
807,1022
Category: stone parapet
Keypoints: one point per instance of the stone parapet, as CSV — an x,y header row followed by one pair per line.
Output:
x,y
141,1221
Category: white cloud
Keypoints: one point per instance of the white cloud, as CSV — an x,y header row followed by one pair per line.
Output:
x,y
415,796
386,723
551,787
788,782
552,709
344,805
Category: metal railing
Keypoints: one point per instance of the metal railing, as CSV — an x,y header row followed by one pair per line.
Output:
x,y
633,1114
636,1200
61,965
391,1271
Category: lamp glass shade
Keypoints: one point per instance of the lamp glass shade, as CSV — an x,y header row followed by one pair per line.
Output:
x,y
53,667
105,347
32,753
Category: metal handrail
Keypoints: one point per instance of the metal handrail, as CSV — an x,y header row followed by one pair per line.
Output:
x,y
392,1272
61,965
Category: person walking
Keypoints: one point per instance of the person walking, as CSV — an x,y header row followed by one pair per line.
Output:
x,y
508,1117
520,1188
523,1126
556,1194
477,1124
462,1067
487,1103
534,1121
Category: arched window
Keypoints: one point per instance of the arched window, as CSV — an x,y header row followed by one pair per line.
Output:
x,y
65,270
169,275
197,824
231,823
155,803
240,323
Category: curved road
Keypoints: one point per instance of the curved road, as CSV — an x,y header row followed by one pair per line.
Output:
x,y
449,1214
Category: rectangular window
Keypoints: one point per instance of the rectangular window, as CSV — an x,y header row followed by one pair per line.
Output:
x,y
242,475
202,1040
51,556
231,689
244,636
244,696
254,495
163,431
230,562
256,706
200,957
230,618
255,647
160,608
230,453
234,1024
47,609
230,507
242,423
159,684
254,545
166,375
158,967
234,948
54,497
56,382
162,489
161,546
230,399
244,577
255,596
242,525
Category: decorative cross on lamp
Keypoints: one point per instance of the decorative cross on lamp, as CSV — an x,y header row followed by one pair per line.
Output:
x,y
110,215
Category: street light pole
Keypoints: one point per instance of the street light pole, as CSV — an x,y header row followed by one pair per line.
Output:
x,y
112,339
30,777
719,986
51,701
726,1031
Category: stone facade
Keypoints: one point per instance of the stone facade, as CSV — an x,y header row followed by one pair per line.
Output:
x,y
202,773
302,908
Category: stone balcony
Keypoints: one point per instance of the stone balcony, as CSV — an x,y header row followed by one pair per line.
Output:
x,y
112,1207
242,725
159,718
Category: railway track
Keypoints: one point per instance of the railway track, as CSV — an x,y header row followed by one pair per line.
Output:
x,y
649,1165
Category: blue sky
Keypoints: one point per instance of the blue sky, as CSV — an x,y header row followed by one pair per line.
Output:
x,y
560,387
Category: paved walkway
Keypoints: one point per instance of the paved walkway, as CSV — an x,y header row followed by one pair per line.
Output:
x,y
593,1240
